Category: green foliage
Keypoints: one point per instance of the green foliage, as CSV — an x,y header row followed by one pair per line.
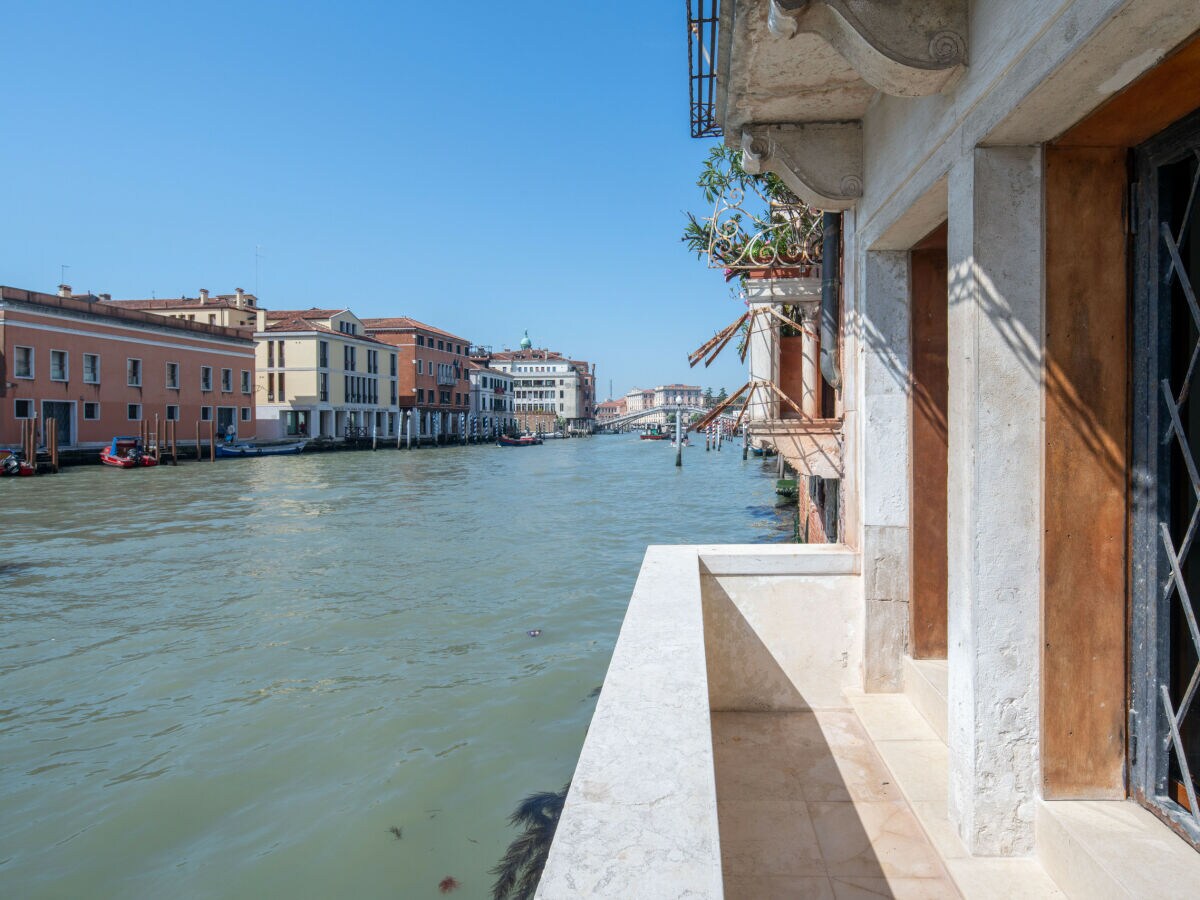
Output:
x,y
762,220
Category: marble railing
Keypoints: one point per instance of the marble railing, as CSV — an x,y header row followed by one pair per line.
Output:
x,y
708,627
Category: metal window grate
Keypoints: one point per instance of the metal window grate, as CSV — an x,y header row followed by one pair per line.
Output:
x,y
1178,557
702,23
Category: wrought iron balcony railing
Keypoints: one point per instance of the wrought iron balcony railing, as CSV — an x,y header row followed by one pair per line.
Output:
x,y
702,22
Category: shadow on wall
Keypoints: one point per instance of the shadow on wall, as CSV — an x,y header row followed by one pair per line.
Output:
x,y
1021,333
805,806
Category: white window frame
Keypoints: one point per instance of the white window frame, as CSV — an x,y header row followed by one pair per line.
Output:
x,y
170,407
167,376
206,381
246,386
66,361
138,407
206,413
226,379
245,414
30,408
32,369
128,377
86,357
94,403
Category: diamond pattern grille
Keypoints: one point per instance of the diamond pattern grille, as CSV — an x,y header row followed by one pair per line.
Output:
x,y
1177,556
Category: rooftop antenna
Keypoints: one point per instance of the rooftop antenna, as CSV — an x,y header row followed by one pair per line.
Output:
x,y
257,257
62,273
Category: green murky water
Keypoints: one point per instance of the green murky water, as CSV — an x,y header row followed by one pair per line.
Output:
x,y
232,680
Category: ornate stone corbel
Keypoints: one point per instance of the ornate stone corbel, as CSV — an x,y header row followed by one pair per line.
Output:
x,y
909,48
822,162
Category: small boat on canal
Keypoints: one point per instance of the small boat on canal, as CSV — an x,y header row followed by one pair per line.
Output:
x,y
13,465
655,433
525,440
127,453
244,451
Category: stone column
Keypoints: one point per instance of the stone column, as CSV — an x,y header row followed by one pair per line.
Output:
x,y
810,399
763,362
995,350
884,343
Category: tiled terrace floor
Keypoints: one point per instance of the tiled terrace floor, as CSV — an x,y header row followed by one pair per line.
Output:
x,y
807,808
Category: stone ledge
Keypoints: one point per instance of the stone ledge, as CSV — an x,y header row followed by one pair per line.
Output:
x,y
641,816
1113,848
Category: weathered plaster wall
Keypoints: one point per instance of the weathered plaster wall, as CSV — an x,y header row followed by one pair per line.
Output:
x,y
883,345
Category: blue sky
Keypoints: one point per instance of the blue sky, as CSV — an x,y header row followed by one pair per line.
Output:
x,y
485,167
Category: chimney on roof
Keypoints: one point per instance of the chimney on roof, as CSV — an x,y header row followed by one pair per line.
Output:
x,y
64,290
106,298
239,298
203,296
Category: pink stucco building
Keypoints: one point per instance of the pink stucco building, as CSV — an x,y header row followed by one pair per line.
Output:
x,y
98,370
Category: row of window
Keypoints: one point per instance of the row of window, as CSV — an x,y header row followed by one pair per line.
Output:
x,y
24,409
447,346
442,397
538,407
60,370
447,373
540,395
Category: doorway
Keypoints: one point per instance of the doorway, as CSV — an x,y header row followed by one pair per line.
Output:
x,y
929,400
1164,746
63,414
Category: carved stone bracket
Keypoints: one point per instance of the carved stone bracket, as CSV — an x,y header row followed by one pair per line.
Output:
x,y
909,48
822,162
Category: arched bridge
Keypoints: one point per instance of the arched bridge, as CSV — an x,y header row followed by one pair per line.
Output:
x,y
658,413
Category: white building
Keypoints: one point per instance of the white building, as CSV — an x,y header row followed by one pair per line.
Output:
x,y
547,386
984,685
492,405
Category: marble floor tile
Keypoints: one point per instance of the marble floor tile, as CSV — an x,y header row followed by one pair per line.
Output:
x,y
875,839
778,887
767,837
923,768
846,888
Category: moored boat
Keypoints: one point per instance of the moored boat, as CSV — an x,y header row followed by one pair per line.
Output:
x,y
526,440
13,464
242,451
126,453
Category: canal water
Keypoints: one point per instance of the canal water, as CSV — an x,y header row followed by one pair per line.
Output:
x,y
234,679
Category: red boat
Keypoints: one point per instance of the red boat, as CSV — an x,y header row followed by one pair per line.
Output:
x,y
126,453
12,464
527,440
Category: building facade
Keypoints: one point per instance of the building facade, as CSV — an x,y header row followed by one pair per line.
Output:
x,y
610,409
994,379
668,394
492,405
550,390
99,370
435,385
321,376
236,310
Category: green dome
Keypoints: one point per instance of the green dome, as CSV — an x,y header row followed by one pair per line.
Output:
x,y
526,343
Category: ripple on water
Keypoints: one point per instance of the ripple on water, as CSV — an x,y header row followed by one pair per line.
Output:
x,y
301,653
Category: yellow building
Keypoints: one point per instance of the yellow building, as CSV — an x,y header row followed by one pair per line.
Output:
x,y
236,310
320,375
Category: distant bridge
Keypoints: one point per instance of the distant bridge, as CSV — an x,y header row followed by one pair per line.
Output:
x,y
658,413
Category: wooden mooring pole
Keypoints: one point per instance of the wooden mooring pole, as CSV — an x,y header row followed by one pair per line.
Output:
x,y
52,443
173,439
197,440
212,440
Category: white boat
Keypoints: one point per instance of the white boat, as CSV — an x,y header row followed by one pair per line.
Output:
x,y
239,451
